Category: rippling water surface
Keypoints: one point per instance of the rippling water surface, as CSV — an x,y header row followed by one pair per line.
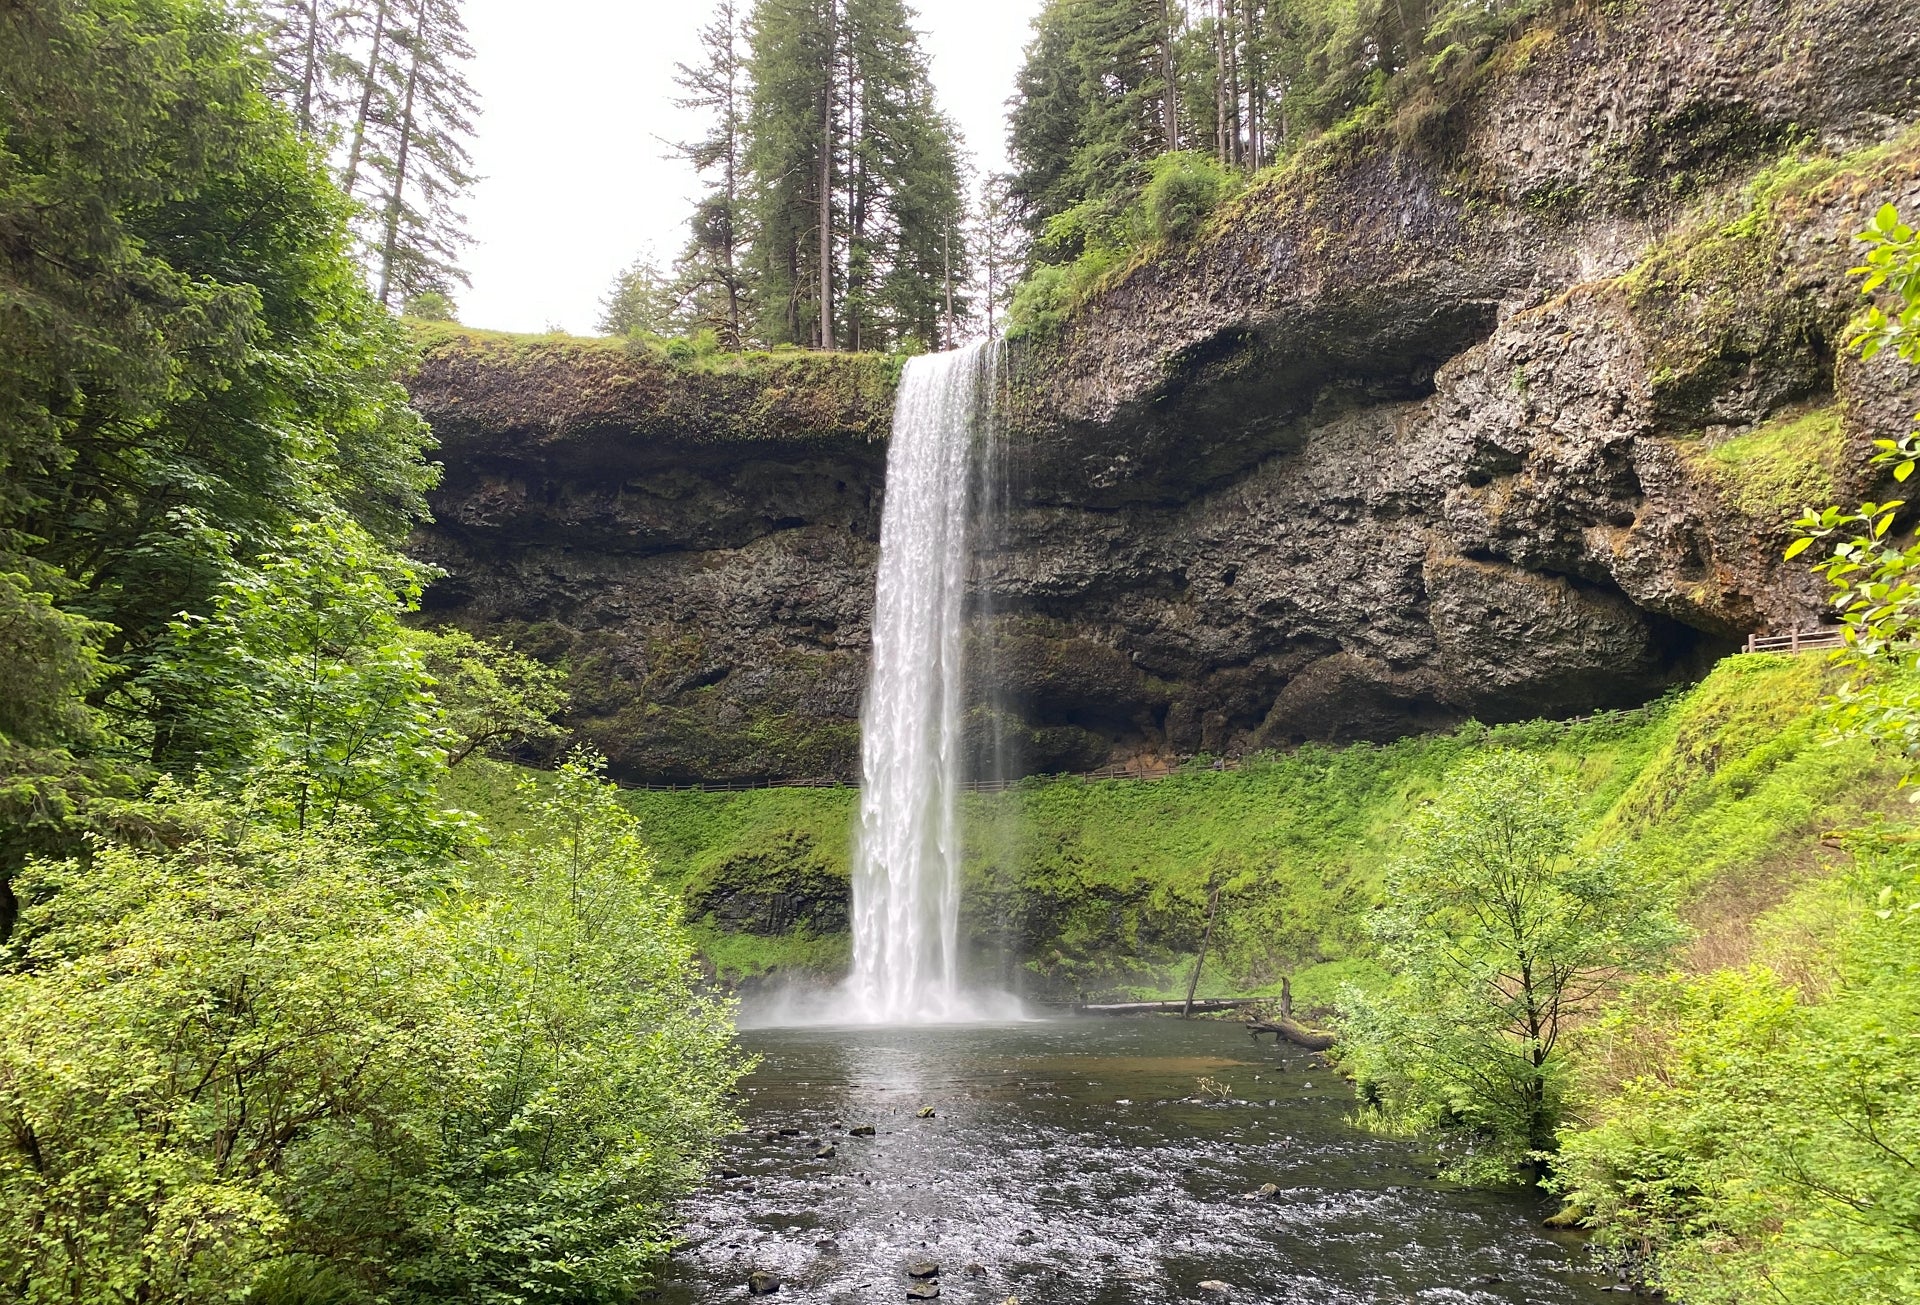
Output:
x,y
1062,1164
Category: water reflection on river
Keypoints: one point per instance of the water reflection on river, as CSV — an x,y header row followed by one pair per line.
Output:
x,y
1061,1161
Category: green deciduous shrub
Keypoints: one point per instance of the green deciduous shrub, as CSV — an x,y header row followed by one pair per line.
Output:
x,y
1182,192
1501,930
1763,1141
260,1052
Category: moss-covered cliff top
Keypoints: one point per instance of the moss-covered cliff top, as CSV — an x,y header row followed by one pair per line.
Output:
x,y
555,387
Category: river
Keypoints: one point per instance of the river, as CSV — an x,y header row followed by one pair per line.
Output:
x,y
1068,1161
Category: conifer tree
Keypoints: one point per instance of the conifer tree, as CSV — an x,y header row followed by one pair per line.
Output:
x,y
422,160
1096,99
385,83
710,279
640,301
998,243
373,80
307,42
853,177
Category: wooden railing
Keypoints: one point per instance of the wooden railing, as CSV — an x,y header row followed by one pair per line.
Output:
x,y
1796,640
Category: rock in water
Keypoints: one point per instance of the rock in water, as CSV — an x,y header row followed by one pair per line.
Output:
x,y
824,1151
763,1282
1216,1286
923,1291
923,1269
1268,1191
925,1112
976,1270
860,1130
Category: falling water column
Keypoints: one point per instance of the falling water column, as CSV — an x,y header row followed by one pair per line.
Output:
x,y
906,870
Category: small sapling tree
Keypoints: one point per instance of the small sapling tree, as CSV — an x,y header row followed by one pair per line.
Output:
x,y
1500,928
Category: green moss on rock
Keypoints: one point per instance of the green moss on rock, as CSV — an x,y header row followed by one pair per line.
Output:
x,y
1101,887
1724,300
1781,468
553,386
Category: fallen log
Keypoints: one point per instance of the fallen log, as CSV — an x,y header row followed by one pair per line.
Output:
x,y
1203,1005
1298,1034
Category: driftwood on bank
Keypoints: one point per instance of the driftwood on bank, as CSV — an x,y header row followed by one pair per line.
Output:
x,y
1202,1006
1298,1034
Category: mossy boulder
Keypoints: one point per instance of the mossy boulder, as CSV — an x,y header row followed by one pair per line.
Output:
x,y
781,883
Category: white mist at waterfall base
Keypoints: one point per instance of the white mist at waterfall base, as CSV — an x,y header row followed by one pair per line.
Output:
x,y
908,844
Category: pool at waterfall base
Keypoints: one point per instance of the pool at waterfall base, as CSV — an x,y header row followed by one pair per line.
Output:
x,y
1084,1160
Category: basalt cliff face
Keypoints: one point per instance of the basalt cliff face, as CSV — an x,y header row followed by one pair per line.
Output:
x,y
1496,408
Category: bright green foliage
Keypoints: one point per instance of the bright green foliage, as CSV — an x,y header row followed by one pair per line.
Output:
x,y
189,363
1501,931
1893,265
490,697
1183,191
263,1048
1762,1142
265,1036
1874,575
607,1075
48,659
1759,1139
302,684
1089,109
201,1037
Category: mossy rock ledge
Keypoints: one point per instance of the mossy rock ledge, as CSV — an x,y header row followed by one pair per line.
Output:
x,y
1497,409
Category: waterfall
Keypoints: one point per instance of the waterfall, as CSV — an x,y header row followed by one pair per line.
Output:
x,y
907,847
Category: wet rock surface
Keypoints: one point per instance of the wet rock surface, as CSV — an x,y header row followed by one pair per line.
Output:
x,y
1438,424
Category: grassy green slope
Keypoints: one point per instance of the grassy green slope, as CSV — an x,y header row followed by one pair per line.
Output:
x,y
1101,887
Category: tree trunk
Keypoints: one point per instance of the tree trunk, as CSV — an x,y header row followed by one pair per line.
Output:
x,y
1235,154
728,244
826,185
1255,97
1213,907
1169,95
1299,1035
1221,151
400,171
312,68
366,98
946,272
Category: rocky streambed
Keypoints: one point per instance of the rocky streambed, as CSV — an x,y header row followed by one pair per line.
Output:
x,y
1141,1161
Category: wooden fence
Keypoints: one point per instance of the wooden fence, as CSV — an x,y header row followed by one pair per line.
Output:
x,y
1796,641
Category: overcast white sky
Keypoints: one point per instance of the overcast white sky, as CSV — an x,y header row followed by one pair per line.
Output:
x,y
575,97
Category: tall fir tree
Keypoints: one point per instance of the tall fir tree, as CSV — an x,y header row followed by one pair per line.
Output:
x,y
1096,98
308,43
853,179
421,161
710,279
998,243
384,83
